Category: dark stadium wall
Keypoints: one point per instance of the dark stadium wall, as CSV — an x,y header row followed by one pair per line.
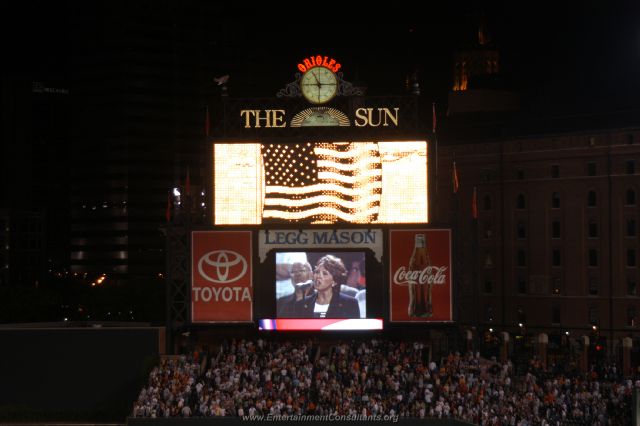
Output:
x,y
233,421
75,372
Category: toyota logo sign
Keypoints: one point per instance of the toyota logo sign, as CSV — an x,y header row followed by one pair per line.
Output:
x,y
224,266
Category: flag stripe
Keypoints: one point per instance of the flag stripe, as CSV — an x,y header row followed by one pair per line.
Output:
x,y
351,167
334,208
456,182
325,187
349,179
319,211
340,153
319,199
433,118
474,204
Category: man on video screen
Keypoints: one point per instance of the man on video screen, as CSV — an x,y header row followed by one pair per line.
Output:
x,y
302,283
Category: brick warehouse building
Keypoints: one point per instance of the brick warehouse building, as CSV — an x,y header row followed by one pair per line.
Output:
x,y
555,243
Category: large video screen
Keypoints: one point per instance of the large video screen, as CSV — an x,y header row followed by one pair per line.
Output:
x,y
320,183
321,285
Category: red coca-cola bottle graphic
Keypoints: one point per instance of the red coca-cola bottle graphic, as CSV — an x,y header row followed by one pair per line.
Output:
x,y
420,293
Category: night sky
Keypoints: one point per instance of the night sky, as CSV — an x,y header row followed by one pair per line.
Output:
x,y
565,55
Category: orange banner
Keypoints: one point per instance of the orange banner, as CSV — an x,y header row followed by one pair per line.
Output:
x,y
420,275
221,276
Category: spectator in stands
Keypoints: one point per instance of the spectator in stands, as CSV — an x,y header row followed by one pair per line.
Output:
x,y
328,301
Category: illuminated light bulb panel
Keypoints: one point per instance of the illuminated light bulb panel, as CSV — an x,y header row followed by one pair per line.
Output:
x,y
320,183
238,184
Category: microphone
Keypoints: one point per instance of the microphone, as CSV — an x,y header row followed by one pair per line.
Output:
x,y
304,285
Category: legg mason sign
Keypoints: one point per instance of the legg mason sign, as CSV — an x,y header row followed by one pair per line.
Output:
x,y
320,238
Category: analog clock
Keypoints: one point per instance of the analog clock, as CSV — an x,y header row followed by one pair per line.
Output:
x,y
319,85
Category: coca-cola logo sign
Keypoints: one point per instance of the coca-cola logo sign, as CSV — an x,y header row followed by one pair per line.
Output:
x,y
433,275
222,266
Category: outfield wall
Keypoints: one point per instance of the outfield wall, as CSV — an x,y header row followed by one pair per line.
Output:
x,y
65,372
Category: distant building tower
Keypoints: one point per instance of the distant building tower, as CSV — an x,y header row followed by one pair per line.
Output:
x,y
135,130
477,85
475,66
34,159
22,248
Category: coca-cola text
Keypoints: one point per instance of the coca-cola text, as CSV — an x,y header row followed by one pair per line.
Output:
x,y
435,275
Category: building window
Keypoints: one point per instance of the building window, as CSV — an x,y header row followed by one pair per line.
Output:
x,y
521,231
630,139
521,315
591,168
555,257
522,284
555,314
631,258
631,197
555,229
591,199
630,167
557,286
488,233
593,315
488,260
593,286
631,286
521,258
486,202
555,171
631,316
593,229
488,313
486,175
631,227
520,202
593,257
519,174
488,285
555,200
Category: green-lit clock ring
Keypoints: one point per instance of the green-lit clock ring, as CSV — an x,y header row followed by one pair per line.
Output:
x,y
319,85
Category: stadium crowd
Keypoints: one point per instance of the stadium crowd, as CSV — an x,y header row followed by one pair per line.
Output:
x,y
246,378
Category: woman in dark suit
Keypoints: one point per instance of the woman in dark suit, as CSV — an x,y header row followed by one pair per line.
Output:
x,y
327,301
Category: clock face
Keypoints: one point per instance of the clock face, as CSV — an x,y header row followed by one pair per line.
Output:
x,y
319,85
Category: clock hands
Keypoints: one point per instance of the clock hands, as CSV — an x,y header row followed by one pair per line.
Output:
x,y
316,77
321,79
317,83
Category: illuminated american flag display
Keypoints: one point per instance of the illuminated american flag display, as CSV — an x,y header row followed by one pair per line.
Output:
x,y
322,183
327,182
